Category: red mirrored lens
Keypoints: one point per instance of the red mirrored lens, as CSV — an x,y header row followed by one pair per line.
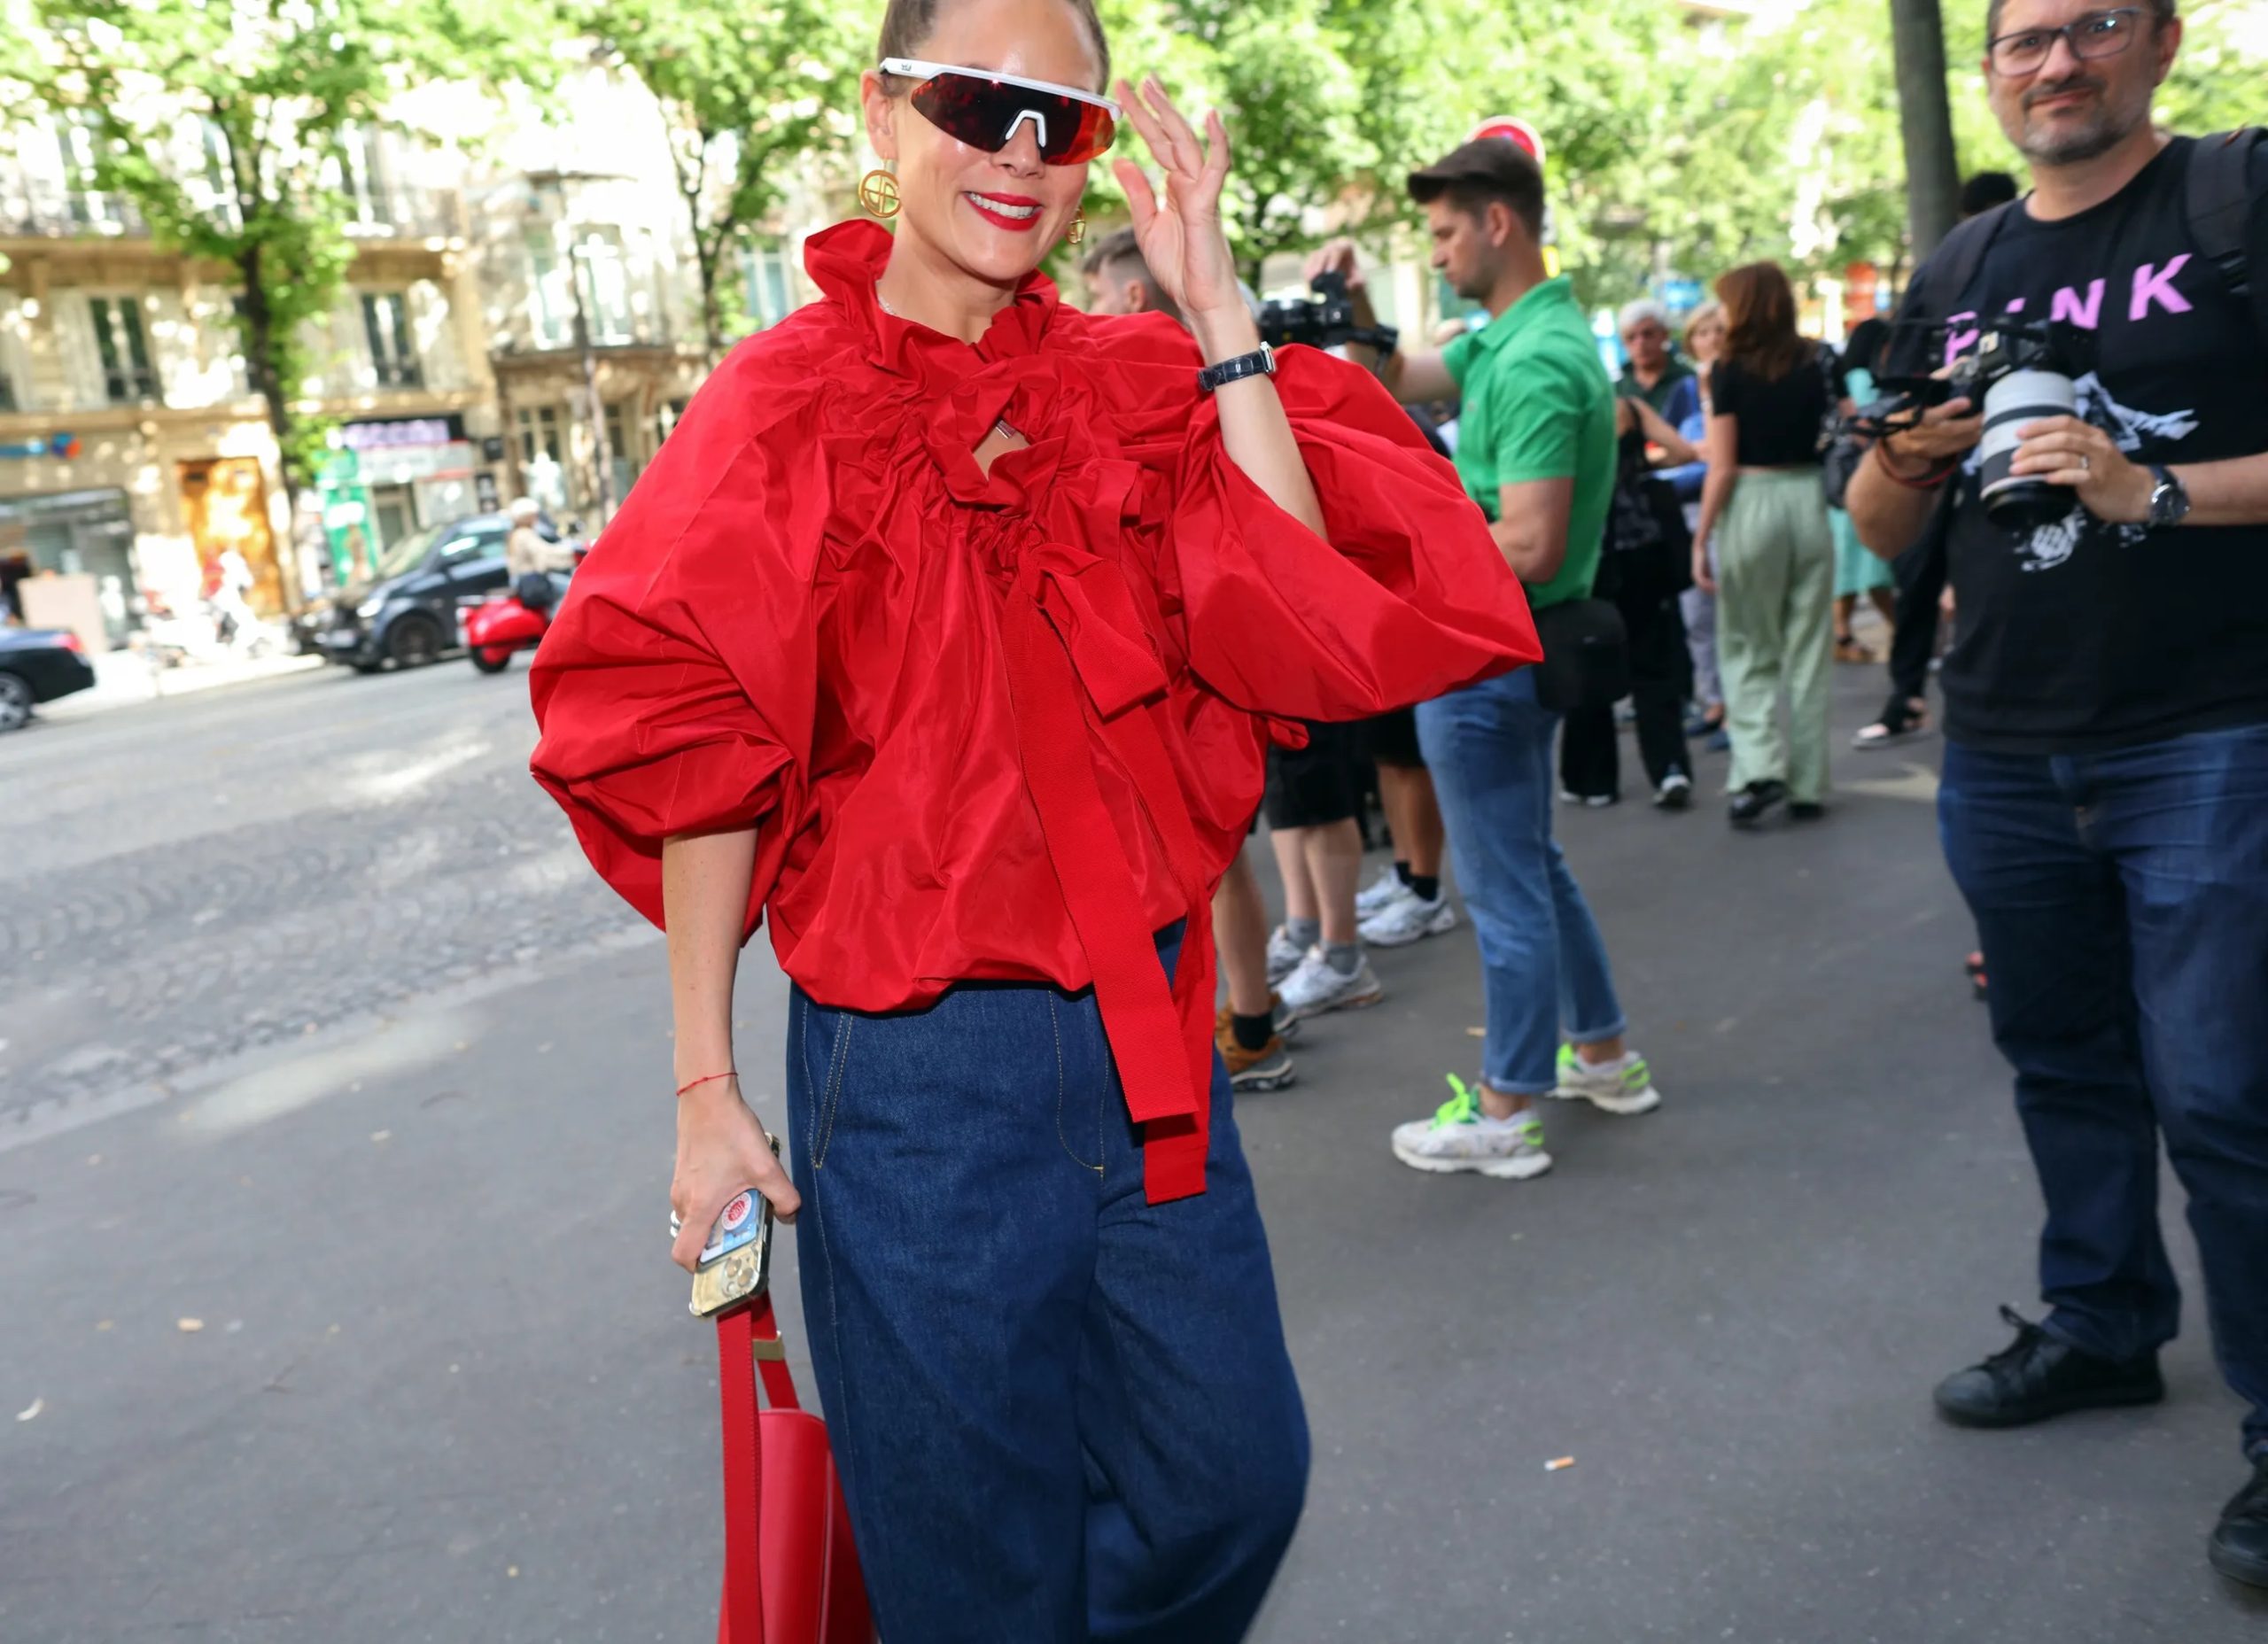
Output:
x,y
984,113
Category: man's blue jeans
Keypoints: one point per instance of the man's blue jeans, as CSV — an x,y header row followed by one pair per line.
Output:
x,y
2122,899
1062,1413
1542,963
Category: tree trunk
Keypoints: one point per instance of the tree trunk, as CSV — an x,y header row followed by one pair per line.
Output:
x,y
260,365
1932,171
705,254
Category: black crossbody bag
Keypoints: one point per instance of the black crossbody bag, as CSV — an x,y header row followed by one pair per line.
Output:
x,y
1586,655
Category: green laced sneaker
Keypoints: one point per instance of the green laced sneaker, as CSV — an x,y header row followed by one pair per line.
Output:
x,y
1461,1137
1625,1087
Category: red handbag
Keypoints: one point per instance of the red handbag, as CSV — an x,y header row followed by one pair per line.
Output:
x,y
791,1574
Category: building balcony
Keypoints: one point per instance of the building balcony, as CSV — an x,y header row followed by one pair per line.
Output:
x,y
35,212
640,336
404,214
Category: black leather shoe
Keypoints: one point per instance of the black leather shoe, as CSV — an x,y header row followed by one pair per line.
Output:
x,y
2239,1548
1749,804
1806,810
2036,1376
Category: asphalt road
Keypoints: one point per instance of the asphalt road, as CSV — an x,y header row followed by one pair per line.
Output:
x,y
315,1031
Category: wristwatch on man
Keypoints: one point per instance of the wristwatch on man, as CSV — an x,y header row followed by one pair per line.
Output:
x,y
2169,497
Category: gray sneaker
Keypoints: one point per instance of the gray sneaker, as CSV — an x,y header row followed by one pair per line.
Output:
x,y
1315,988
1408,919
1268,1068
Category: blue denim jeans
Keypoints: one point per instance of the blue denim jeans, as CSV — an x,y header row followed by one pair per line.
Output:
x,y
2121,900
1062,1413
1543,965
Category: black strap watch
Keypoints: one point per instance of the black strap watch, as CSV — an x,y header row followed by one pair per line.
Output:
x,y
1260,362
2169,498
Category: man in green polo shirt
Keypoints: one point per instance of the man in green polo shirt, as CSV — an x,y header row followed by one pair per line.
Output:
x,y
1535,449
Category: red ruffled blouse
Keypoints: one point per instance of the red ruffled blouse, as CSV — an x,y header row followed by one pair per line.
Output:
x,y
1008,727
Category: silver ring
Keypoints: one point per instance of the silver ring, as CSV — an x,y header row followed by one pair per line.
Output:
x,y
2087,464
676,1224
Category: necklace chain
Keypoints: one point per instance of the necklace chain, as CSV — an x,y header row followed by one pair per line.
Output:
x,y
1001,425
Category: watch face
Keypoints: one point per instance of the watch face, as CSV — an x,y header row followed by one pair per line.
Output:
x,y
2168,500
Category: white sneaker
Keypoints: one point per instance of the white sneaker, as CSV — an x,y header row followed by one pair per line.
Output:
x,y
1404,921
1460,1136
1284,955
1624,1086
1383,891
1315,988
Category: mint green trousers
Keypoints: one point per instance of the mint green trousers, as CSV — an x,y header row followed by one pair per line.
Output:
x,y
1775,584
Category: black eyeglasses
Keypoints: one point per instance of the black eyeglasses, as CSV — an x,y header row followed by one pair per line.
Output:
x,y
2097,35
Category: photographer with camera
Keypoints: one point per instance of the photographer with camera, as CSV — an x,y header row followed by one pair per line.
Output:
x,y
1536,451
2104,804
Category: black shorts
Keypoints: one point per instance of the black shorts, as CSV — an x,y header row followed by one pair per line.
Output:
x,y
1319,784
1391,739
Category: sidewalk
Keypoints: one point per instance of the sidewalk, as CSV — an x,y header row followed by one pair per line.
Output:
x,y
123,678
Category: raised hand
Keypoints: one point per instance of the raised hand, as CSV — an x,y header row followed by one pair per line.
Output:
x,y
1181,236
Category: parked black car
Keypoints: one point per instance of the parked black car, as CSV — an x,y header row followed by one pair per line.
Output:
x,y
37,665
408,613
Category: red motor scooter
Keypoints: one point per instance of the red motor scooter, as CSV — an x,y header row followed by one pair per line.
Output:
x,y
512,621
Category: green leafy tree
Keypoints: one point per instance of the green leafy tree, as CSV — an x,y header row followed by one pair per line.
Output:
x,y
227,123
754,94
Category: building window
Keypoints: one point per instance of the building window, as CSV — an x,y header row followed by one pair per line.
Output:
x,y
543,454
666,419
124,351
768,300
89,208
220,175
539,435
552,304
362,176
385,321
605,275
628,463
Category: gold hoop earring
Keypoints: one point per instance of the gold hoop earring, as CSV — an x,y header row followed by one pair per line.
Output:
x,y
878,193
1078,229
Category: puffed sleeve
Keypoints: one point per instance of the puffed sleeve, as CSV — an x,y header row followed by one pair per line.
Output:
x,y
1405,596
675,692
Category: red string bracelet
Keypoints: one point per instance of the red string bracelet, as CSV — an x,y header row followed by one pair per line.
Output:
x,y
1927,482
707,1079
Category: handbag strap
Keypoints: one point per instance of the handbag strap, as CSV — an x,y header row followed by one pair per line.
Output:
x,y
747,1344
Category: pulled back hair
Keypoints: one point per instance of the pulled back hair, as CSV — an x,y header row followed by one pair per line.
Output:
x,y
908,24
1761,334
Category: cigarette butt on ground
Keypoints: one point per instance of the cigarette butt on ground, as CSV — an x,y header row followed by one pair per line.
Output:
x,y
190,1327
1563,1462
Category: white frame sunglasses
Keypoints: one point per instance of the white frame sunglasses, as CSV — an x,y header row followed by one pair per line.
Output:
x,y
918,68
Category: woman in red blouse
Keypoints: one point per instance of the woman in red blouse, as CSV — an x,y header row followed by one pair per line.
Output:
x,y
950,627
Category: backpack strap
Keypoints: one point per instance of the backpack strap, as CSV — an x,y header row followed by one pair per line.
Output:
x,y
2217,201
1953,266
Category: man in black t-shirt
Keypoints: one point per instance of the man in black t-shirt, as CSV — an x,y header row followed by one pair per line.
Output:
x,y
2104,804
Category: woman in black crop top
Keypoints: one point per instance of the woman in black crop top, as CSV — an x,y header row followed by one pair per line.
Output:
x,y
1770,393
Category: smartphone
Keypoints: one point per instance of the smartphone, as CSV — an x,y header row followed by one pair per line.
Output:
x,y
736,1261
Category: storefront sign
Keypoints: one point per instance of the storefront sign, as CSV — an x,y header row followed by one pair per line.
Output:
x,y
61,446
398,431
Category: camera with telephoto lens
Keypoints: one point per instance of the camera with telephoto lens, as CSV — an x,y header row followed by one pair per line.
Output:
x,y
1325,320
2022,371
